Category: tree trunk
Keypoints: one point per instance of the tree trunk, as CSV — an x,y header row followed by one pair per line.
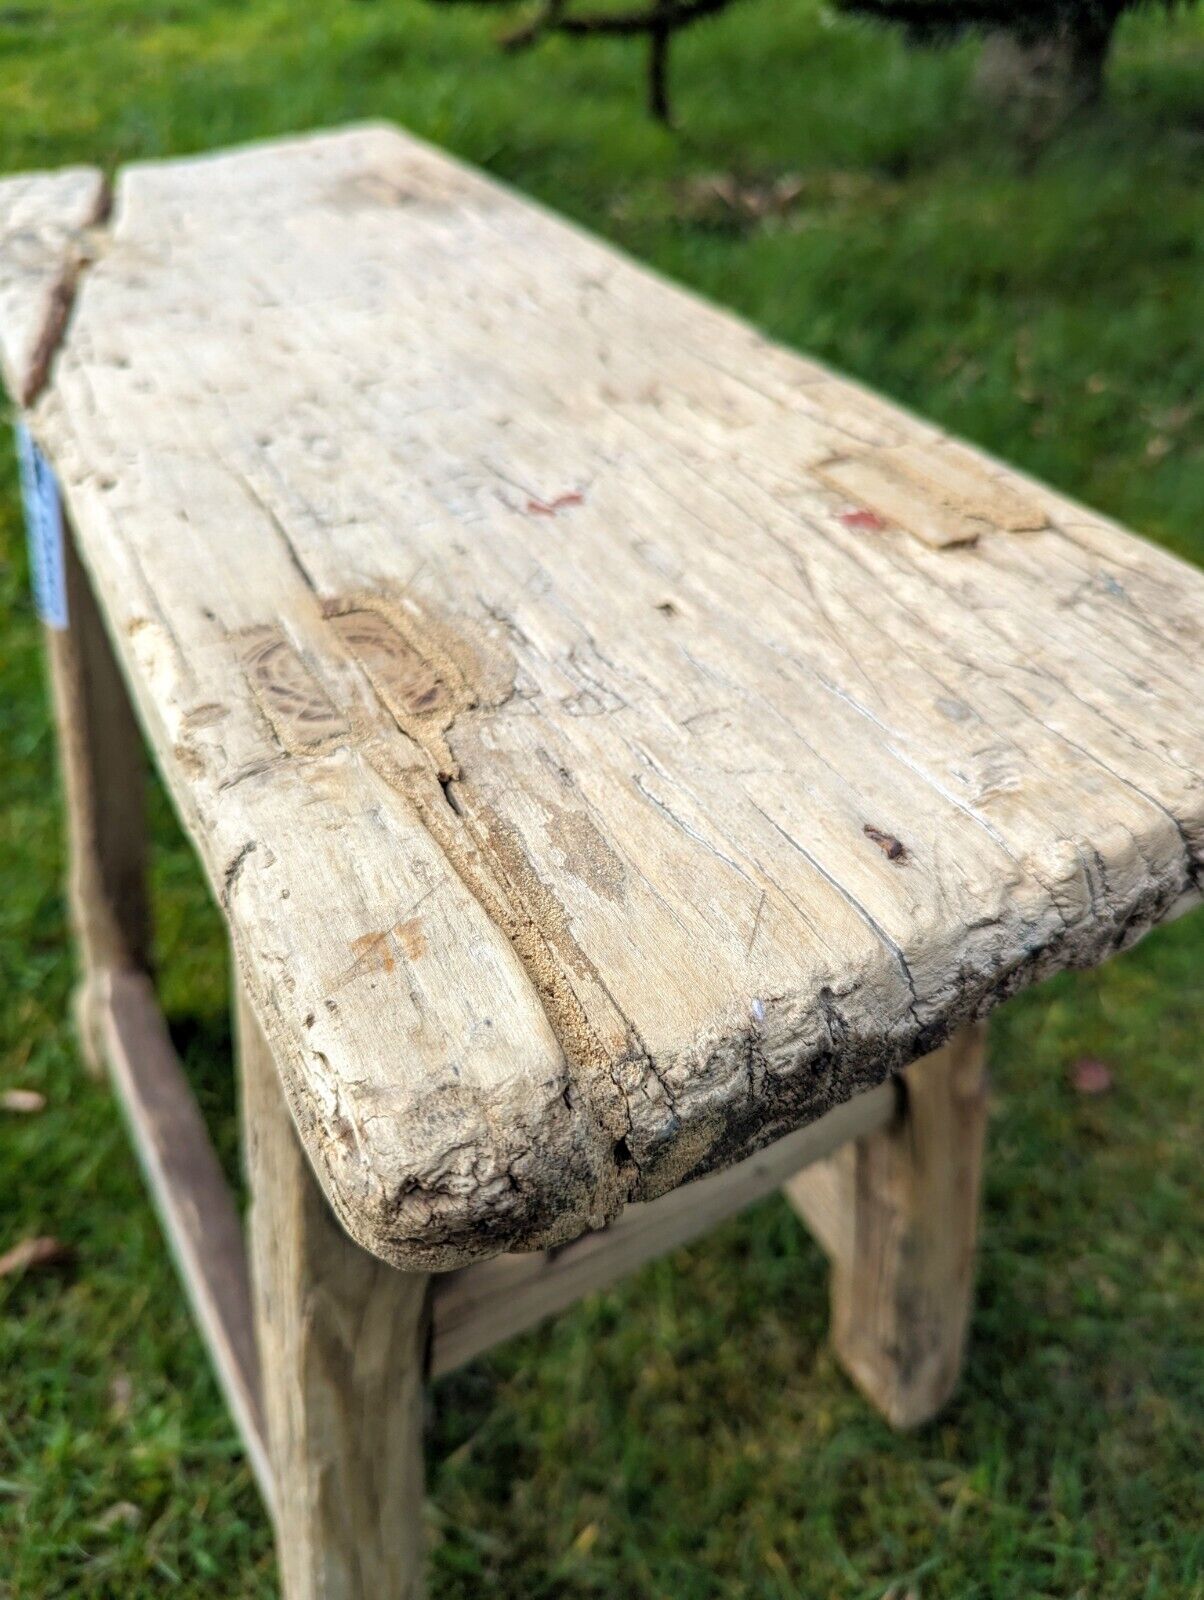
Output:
x,y
1048,77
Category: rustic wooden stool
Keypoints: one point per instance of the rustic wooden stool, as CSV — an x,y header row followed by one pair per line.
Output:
x,y
618,745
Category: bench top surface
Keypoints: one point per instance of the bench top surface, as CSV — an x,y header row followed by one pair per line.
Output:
x,y
614,739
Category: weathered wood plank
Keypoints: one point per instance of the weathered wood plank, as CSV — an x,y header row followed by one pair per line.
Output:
x,y
897,1212
822,1194
547,716
343,1340
190,1193
102,762
481,1305
42,219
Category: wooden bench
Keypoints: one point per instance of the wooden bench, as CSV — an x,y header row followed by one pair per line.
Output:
x,y
619,746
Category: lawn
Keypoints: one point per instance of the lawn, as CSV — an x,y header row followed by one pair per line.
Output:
x,y
687,1436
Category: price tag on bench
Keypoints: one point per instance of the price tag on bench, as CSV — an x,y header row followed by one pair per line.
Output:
x,y
44,530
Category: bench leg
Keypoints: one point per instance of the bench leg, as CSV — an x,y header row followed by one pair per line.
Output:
x,y
100,752
342,1347
897,1212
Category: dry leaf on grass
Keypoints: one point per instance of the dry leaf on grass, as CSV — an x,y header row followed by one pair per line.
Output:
x,y
123,1514
1089,1076
722,198
30,1253
744,200
121,1395
23,1101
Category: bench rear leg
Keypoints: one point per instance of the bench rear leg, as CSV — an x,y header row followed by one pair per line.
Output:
x,y
101,758
342,1348
897,1212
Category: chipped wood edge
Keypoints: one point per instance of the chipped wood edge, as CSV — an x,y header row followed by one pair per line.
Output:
x,y
481,1305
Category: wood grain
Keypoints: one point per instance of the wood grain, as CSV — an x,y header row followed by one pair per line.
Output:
x,y
536,697
191,1195
897,1211
343,1340
102,764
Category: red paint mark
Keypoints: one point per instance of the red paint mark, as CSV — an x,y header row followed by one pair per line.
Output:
x,y
864,519
549,508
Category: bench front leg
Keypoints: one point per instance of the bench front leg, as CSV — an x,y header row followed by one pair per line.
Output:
x,y
342,1349
102,763
897,1212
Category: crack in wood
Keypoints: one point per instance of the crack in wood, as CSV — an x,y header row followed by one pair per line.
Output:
x,y
46,245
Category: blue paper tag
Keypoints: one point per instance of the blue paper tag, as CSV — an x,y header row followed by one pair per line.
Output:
x,y
44,530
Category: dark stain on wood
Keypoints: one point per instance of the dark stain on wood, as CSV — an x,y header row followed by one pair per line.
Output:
x,y
890,847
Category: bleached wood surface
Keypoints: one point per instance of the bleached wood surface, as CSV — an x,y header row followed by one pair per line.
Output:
x,y
42,219
615,740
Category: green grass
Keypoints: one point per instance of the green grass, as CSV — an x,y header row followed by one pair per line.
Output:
x,y
687,1436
